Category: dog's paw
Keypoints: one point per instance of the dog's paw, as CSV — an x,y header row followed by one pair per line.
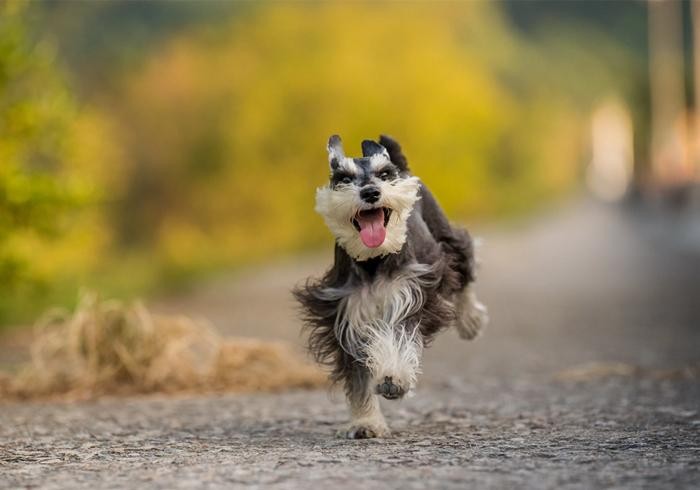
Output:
x,y
360,430
389,390
473,320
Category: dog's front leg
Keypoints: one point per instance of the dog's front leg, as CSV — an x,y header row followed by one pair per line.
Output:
x,y
366,419
394,358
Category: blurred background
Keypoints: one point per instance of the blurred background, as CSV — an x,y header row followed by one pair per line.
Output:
x,y
147,146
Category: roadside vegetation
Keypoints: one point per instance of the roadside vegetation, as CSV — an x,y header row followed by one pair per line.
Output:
x,y
197,147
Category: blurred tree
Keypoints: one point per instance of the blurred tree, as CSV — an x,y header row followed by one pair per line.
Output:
x,y
199,142
101,41
226,129
36,111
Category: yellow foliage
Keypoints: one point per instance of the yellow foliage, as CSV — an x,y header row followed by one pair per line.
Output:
x,y
234,124
209,152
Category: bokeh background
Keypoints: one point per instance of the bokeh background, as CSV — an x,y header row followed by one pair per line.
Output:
x,y
145,146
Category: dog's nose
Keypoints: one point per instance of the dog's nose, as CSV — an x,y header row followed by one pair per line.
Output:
x,y
370,194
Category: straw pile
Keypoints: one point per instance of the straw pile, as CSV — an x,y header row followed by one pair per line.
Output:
x,y
107,347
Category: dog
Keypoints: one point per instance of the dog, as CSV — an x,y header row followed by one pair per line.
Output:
x,y
401,274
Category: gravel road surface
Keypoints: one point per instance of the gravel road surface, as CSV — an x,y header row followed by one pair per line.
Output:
x,y
587,377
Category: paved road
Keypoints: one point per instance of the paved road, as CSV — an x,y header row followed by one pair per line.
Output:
x,y
588,377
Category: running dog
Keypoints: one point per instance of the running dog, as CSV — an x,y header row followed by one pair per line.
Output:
x,y
401,274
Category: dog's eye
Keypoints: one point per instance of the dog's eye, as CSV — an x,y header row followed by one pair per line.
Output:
x,y
385,175
346,180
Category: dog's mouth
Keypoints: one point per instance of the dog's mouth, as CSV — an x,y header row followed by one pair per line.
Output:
x,y
371,224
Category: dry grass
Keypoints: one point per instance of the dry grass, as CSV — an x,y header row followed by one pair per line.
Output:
x,y
107,347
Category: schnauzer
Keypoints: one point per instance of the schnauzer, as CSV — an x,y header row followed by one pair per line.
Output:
x,y
401,274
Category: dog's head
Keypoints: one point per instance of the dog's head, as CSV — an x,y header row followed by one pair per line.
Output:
x,y
368,200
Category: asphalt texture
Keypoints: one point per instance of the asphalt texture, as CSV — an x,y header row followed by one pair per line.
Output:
x,y
587,377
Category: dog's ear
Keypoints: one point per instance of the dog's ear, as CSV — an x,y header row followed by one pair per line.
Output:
x,y
335,151
370,148
395,154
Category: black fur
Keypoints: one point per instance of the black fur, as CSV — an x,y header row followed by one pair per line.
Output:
x,y
430,240
395,153
370,148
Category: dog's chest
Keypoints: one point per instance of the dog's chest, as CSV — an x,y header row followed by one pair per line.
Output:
x,y
386,300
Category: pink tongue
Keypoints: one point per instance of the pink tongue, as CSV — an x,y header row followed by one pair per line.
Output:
x,y
372,231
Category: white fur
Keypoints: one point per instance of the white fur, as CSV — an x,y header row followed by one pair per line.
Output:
x,y
339,205
366,415
392,351
371,324
335,149
348,165
378,160
389,301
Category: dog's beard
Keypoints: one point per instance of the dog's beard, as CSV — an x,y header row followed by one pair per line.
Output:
x,y
339,206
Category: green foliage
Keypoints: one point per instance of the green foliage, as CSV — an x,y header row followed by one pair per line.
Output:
x,y
35,111
32,122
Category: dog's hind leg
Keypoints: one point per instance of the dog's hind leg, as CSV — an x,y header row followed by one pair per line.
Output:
x,y
472,315
366,419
